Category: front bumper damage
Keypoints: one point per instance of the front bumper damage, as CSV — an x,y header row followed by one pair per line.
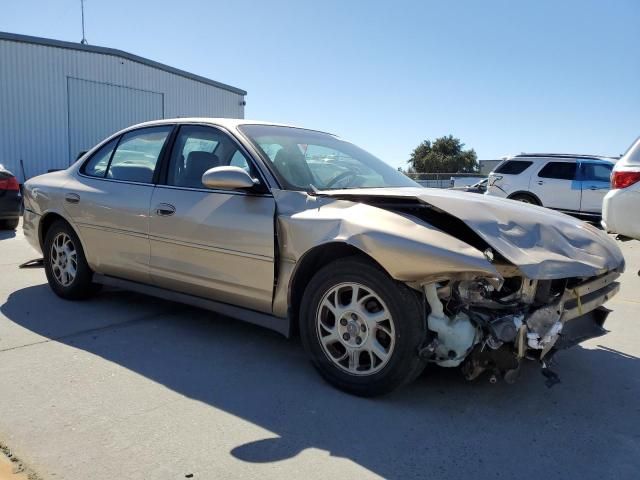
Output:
x,y
486,333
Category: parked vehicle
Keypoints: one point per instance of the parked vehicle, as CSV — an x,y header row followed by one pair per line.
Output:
x,y
479,187
573,184
10,200
621,206
298,230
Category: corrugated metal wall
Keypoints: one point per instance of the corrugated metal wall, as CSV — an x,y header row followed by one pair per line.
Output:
x,y
39,84
121,106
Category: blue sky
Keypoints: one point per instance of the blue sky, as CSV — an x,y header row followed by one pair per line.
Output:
x,y
504,76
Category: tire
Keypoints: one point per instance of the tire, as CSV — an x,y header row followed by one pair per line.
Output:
x,y
525,198
67,252
400,336
10,224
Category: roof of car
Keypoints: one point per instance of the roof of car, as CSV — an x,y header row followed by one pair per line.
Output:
x,y
222,122
567,156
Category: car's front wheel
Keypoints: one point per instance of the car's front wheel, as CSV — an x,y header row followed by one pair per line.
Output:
x,y
361,328
65,265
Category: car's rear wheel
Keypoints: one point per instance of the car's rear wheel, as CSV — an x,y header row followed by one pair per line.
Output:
x,y
525,198
65,265
362,329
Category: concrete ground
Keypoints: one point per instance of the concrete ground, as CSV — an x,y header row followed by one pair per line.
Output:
x,y
128,387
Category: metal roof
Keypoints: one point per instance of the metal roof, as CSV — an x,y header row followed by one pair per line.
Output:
x,y
14,37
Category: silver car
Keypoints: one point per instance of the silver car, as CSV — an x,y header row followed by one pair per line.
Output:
x,y
302,232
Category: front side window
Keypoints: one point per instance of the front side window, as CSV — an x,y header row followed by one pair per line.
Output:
x,y
137,154
559,170
97,165
307,160
197,149
513,167
596,172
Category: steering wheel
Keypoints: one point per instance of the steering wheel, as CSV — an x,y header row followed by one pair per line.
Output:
x,y
343,175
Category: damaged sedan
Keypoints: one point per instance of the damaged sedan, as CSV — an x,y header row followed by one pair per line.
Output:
x,y
304,233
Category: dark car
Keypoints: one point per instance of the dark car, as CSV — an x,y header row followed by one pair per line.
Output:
x,y
10,200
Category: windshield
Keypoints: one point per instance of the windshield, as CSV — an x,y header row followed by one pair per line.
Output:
x,y
308,160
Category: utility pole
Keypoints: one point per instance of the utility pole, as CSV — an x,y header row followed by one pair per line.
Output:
x,y
84,39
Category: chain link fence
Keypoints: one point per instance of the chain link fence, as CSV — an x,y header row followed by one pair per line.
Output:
x,y
445,180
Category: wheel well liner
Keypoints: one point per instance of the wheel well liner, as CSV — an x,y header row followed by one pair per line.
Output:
x,y
45,224
528,194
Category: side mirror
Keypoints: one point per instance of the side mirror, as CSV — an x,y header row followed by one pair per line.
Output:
x,y
227,178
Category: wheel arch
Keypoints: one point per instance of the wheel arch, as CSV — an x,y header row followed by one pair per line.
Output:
x,y
47,220
310,262
528,194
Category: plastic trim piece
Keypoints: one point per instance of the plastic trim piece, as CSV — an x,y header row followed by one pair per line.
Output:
x,y
277,324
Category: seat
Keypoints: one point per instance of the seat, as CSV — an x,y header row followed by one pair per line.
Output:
x,y
292,165
197,163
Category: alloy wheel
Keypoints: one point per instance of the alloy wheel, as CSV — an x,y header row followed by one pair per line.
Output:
x,y
64,259
355,329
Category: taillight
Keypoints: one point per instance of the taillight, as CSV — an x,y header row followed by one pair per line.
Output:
x,y
624,179
10,183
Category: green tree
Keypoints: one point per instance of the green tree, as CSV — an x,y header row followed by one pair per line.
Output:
x,y
444,155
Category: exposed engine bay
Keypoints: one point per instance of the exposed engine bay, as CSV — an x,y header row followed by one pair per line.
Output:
x,y
483,328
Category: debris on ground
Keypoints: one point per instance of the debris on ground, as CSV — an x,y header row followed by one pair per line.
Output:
x,y
12,468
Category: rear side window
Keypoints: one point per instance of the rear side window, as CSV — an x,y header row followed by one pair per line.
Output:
x,y
596,172
513,167
559,170
137,154
99,161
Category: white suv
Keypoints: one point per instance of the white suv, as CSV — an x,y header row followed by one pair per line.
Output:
x,y
620,213
573,184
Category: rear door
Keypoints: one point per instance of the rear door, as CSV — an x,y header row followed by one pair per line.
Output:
x,y
216,244
557,186
596,182
109,202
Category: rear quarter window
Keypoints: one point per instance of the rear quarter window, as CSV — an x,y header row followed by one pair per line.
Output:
x,y
513,167
97,165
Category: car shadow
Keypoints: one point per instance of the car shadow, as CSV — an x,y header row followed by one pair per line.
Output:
x,y
440,426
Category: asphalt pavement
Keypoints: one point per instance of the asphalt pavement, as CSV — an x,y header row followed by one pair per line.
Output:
x,y
124,386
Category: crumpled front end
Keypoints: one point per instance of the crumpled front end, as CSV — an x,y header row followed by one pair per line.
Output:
x,y
486,329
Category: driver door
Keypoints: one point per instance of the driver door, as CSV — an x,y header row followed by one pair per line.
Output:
x,y
215,244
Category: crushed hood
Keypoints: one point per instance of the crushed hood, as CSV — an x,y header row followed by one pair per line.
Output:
x,y
543,243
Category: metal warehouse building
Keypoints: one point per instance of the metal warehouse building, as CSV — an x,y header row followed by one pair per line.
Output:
x,y
60,98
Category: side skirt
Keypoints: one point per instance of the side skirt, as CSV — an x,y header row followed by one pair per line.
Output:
x,y
280,325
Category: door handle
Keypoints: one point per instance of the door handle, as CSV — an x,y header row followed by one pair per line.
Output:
x,y
72,198
540,182
165,210
593,187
